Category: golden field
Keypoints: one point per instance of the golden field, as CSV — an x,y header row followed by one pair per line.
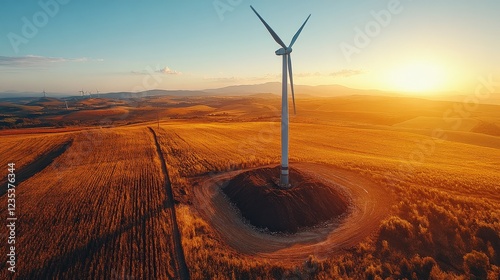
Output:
x,y
101,209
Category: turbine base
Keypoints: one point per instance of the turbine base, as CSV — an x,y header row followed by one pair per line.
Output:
x,y
284,180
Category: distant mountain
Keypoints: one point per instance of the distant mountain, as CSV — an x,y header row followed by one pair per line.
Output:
x,y
272,87
243,90
275,88
17,94
156,92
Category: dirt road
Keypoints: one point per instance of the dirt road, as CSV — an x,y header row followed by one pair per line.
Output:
x,y
369,205
180,262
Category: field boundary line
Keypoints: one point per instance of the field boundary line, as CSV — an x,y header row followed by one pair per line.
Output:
x,y
179,252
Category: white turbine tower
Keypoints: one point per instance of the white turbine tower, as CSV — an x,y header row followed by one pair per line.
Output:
x,y
44,93
287,63
82,93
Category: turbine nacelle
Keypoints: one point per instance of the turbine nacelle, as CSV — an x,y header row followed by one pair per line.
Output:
x,y
283,51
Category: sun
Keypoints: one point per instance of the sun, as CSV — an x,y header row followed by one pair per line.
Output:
x,y
419,77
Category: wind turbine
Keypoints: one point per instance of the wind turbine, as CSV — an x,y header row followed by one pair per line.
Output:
x,y
66,102
287,69
82,93
44,93
97,91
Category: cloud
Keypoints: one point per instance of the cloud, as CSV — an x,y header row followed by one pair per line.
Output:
x,y
149,71
168,71
345,73
37,61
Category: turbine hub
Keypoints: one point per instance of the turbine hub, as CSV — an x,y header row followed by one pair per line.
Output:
x,y
283,51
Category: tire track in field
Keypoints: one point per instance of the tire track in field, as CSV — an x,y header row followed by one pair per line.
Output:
x,y
180,260
39,164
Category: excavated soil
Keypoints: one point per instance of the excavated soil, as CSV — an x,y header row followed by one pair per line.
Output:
x,y
307,203
369,203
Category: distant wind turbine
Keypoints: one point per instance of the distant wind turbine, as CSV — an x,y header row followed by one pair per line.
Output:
x,y
44,93
66,102
82,93
287,63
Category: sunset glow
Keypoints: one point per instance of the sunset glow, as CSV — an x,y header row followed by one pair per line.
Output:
x,y
419,76
415,47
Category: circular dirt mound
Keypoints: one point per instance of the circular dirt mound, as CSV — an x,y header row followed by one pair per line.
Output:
x,y
306,204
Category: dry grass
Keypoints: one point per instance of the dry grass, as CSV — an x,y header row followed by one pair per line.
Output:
x,y
448,198
97,114
23,149
98,211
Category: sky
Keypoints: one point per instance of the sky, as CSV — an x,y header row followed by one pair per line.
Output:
x,y
63,46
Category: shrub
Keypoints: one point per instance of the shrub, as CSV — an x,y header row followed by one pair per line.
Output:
x,y
398,232
476,265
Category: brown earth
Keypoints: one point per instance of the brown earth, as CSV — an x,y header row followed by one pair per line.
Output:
x,y
370,204
307,203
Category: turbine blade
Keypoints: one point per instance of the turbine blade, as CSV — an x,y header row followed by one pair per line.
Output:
x,y
291,82
275,36
298,32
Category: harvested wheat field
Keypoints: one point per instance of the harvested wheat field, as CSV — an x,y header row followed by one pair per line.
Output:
x,y
374,199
